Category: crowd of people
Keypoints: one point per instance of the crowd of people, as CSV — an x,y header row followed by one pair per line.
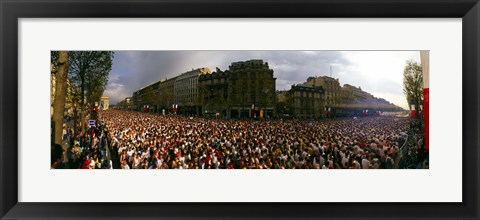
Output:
x,y
150,141
81,150
134,140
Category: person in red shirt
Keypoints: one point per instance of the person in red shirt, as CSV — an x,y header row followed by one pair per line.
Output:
x,y
86,163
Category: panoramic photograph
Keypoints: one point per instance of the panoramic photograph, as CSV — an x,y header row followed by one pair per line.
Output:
x,y
239,109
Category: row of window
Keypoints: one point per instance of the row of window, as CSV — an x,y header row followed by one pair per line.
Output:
x,y
307,94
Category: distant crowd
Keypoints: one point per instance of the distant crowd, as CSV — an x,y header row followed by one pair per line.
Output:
x,y
136,140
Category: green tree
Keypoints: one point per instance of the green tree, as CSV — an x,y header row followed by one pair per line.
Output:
x,y
61,73
413,82
152,97
89,71
166,97
284,104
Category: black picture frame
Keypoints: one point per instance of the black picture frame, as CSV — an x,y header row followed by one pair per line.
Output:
x,y
11,11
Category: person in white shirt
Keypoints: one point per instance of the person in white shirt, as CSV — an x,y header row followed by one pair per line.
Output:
x,y
136,164
125,165
345,160
145,154
365,163
376,163
92,164
131,151
356,165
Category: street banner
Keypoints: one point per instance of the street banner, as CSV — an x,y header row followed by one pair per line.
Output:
x,y
424,56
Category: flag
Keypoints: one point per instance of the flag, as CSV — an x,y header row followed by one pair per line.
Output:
x,y
425,59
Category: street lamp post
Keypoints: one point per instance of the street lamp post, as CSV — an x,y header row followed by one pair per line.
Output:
x,y
265,91
243,104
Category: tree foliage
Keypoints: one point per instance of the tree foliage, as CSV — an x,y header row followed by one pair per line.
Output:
x,y
413,82
284,105
152,96
166,97
89,71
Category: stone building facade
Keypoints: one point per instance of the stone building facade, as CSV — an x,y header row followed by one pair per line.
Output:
x,y
307,101
332,88
185,90
166,93
71,97
213,93
245,90
180,91
147,98
355,101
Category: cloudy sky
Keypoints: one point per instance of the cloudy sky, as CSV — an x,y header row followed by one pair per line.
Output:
x,y
377,72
